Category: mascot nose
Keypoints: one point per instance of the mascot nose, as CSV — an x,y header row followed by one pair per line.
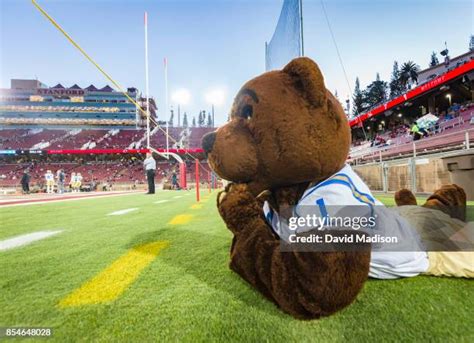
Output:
x,y
208,141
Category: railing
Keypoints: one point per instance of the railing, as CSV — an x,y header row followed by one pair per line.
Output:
x,y
461,139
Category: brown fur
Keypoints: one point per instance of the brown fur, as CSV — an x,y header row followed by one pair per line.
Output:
x,y
405,197
297,134
451,199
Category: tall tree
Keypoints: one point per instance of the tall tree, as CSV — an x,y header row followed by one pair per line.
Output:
x,y
194,121
409,74
209,120
201,118
396,88
434,59
185,120
358,100
376,92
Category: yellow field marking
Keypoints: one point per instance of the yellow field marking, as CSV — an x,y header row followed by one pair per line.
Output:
x,y
181,219
196,206
116,278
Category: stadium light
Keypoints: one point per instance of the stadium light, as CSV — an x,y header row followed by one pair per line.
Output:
x,y
215,97
181,96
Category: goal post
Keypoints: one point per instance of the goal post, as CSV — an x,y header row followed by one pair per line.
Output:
x,y
182,175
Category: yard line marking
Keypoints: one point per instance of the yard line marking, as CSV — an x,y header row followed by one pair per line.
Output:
x,y
161,201
177,197
116,278
196,206
119,213
29,238
181,219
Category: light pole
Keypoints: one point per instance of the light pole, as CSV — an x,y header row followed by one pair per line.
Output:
x,y
215,97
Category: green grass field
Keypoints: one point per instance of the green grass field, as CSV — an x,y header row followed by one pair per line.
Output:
x,y
188,292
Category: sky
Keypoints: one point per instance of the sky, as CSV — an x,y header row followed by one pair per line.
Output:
x,y
219,45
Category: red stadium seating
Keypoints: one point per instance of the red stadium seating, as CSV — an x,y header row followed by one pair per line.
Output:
x,y
100,172
98,138
449,134
128,170
77,141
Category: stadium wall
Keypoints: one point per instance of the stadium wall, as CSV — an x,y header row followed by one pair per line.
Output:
x,y
421,175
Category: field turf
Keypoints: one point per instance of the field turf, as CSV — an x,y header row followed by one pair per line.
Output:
x,y
187,293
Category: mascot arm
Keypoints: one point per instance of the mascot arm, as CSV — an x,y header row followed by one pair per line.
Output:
x,y
301,283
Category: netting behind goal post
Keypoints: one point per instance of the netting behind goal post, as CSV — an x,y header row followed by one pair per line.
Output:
x,y
287,40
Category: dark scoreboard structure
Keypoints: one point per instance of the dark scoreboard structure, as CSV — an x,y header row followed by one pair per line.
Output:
x,y
23,152
33,152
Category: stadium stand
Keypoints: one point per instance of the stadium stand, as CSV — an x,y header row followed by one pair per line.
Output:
x,y
28,139
79,139
98,138
450,132
113,170
125,171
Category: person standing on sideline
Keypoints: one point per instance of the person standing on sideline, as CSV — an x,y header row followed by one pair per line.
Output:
x,y
60,176
49,176
78,182
25,182
72,182
150,166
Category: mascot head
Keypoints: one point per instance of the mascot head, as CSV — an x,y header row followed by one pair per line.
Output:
x,y
285,128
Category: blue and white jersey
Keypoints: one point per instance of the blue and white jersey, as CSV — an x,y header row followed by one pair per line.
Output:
x,y
49,176
345,191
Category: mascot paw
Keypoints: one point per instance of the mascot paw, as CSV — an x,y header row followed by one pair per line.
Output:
x,y
451,199
237,206
405,197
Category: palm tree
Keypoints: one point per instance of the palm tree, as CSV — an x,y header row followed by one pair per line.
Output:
x,y
409,73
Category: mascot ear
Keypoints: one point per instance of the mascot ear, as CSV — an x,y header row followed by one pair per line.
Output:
x,y
308,79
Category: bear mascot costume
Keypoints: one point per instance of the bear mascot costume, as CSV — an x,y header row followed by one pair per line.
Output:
x,y
287,140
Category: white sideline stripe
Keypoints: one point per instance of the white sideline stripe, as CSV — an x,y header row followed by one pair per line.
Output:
x,y
66,199
177,197
119,213
29,238
160,201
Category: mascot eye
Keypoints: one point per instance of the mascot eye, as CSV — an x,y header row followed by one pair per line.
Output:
x,y
247,112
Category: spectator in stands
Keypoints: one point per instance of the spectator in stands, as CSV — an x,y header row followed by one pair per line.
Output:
x,y
25,182
150,166
455,107
415,131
